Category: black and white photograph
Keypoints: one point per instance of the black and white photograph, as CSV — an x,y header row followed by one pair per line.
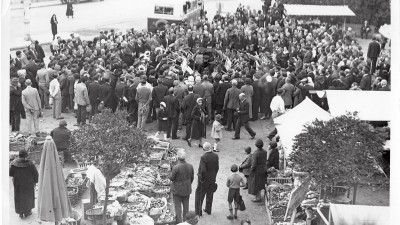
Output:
x,y
200,112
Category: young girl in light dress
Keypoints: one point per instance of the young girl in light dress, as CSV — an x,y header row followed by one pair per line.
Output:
x,y
216,131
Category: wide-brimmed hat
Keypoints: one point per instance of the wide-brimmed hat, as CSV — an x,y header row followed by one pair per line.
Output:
x,y
199,100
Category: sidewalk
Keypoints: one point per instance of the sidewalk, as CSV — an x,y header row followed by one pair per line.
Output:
x,y
36,4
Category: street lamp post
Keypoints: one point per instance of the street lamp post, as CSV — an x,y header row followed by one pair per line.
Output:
x,y
27,20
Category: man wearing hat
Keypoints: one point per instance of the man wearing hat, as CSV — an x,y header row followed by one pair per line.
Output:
x,y
231,103
32,105
61,136
172,109
243,117
16,107
207,173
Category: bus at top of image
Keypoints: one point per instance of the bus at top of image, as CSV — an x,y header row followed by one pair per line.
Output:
x,y
174,11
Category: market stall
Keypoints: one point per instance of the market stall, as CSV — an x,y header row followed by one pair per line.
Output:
x,y
139,194
292,122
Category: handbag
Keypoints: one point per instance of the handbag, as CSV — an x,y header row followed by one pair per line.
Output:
x,y
242,206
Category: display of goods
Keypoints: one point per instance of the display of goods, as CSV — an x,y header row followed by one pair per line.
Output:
x,y
161,147
165,189
73,195
172,152
96,214
157,203
143,178
278,198
163,182
74,181
133,207
139,219
156,155
167,217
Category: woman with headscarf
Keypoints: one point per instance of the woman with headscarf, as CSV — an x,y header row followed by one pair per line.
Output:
x,y
199,116
258,172
25,176
54,23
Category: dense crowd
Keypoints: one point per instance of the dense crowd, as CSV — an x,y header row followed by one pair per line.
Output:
x,y
238,67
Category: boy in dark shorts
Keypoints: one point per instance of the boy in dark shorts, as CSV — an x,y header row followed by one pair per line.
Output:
x,y
233,182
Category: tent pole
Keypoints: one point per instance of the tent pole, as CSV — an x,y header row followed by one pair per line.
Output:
x,y
344,25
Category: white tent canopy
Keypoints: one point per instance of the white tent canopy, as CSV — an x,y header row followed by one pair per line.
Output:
x,y
370,105
292,122
318,10
358,214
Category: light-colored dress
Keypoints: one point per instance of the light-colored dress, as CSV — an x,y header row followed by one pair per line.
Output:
x,y
217,126
248,91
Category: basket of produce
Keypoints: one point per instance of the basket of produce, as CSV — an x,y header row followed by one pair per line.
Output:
x,y
168,218
165,168
280,180
155,158
160,146
83,164
134,207
73,195
139,218
156,207
77,180
160,182
96,214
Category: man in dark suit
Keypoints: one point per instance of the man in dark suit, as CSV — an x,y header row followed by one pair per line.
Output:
x,y
231,103
132,104
94,95
243,118
71,82
173,113
31,71
384,65
105,92
374,49
366,80
158,93
220,96
189,102
256,98
18,62
62,79
208,169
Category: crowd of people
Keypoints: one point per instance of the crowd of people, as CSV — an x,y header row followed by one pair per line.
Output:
x,y
226,72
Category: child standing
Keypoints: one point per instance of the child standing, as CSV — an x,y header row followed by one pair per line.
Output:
x,y
245,166
233,182
216,131
162,117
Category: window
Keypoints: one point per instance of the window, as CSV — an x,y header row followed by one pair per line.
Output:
x,y
164,10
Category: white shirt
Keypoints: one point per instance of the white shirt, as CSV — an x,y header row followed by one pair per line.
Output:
x,y
277,104
54,87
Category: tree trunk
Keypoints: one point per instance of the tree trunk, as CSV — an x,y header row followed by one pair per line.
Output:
x,y
355,193
106,202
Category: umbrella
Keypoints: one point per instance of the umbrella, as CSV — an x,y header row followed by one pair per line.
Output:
x,y
385,30
53,201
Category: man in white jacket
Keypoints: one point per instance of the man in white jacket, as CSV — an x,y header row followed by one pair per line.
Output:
x,y
55,97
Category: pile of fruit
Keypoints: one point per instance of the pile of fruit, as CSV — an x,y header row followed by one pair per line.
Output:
x,y
144,178
157,203
75,181
167,217
278,198
129,207
163,182
139,219
162,190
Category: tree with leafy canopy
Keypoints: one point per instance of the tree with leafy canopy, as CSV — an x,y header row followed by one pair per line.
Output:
x,y
110,143
341,149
